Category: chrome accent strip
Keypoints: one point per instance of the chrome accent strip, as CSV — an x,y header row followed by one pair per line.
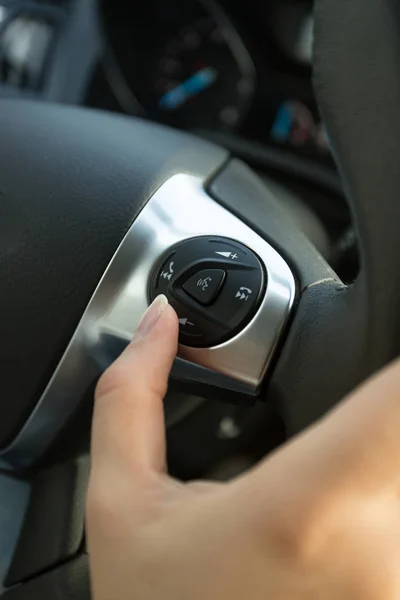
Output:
x,y
180,209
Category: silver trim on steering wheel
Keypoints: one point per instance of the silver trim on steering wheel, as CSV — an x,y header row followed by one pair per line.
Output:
x,y
180,209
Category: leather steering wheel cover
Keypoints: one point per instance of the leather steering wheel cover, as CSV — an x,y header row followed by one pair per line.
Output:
x,y
340,335
357,66
72,181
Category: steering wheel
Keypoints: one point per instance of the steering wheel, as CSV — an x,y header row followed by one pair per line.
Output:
x,y
98,213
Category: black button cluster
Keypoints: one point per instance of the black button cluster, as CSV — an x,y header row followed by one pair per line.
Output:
x,y
214,284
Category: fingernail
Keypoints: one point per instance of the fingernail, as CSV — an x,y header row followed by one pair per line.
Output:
x,y
151,316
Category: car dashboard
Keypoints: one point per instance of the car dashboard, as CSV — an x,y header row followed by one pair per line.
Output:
x,y
203,65
200,65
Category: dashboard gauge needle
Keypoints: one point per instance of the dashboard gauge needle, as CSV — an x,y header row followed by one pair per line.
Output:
x,y
194,85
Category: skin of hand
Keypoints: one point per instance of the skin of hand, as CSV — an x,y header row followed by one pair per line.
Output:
x,y
318,519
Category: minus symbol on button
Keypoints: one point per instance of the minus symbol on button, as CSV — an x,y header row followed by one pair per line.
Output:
x,y
185,322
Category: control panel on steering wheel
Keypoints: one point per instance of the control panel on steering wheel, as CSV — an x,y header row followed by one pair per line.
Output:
x,y
214,284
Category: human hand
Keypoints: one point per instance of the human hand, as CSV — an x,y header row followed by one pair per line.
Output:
x,y
319,519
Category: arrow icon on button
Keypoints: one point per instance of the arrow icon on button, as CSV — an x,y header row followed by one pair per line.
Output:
x,y
231,255
185,322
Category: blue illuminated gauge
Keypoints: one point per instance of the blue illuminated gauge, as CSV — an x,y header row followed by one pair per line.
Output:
x,y
204,78
179,62
179,95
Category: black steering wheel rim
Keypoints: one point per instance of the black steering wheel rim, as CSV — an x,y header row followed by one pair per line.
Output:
x,y
356,65
342,334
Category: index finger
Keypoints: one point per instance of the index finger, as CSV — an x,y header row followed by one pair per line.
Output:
x,y
128,423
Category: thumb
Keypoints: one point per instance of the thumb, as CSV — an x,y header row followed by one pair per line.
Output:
x,y
128,423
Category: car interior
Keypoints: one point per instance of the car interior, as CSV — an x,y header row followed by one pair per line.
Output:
x,y
238,157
